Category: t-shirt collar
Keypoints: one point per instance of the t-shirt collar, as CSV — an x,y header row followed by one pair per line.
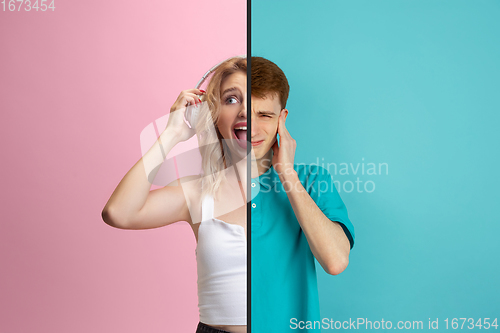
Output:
x,y
267,179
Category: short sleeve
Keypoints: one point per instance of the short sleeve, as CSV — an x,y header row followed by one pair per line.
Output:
x,y
320,186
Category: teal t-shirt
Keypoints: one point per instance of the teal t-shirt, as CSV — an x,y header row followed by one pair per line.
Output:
x,y
283,275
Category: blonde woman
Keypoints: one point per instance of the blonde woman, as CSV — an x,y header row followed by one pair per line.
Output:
x,y
213,203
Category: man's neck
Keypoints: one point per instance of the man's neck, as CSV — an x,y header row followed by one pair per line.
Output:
x,y
263,164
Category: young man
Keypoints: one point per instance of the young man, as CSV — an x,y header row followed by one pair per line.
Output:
x,y
297,215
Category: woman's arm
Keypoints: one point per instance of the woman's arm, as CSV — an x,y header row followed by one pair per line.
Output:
x,y
132,205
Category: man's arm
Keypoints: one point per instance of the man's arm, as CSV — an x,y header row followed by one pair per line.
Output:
x,y
326,238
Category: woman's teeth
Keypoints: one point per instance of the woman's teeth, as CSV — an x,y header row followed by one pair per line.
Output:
x,y
241,132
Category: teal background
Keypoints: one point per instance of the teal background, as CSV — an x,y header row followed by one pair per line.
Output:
x,y
414,84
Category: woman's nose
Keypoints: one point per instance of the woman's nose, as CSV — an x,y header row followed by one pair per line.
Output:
x,y
243,111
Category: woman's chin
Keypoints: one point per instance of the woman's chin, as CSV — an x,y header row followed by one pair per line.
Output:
x,y
237,149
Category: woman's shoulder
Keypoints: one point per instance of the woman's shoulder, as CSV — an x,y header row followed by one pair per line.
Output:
x,y
191,186
190,180
192,190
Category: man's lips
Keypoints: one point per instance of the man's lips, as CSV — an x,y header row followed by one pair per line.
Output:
x,y
256,143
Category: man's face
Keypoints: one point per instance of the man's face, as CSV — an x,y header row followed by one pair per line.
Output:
x,y
265,115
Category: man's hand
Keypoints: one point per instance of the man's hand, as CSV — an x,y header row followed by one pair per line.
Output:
x,y
326,238
284,153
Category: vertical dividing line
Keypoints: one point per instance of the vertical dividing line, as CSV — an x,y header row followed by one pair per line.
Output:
x,y
249,165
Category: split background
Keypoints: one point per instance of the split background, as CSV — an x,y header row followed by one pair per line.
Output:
x,y
412,84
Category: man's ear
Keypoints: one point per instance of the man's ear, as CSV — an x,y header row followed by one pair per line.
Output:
x,y
286,113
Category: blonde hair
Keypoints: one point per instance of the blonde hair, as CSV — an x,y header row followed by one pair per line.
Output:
x,y
215,157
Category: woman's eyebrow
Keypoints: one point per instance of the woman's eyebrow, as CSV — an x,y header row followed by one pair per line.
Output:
x,y
229,90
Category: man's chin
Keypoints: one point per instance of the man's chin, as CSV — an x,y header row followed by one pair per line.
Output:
x,y
260,152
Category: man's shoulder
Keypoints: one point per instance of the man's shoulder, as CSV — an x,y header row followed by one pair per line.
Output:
x,y
307,170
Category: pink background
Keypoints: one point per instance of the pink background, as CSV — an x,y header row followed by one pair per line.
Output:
x,y
77,86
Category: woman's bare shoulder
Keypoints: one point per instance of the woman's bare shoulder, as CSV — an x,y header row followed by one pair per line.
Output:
x,y
192,190
192,180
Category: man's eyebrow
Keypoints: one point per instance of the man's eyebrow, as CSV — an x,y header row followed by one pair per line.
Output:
x,y
266,112
229,90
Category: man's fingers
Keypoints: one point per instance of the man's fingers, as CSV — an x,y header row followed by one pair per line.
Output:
x,y
275,147
281,126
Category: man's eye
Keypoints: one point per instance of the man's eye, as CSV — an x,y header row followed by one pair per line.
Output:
x,y
267,116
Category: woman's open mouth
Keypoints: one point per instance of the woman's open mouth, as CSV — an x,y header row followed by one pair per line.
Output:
x,y
240,134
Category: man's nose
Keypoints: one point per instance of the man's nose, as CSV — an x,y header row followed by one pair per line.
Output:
x,y
255,126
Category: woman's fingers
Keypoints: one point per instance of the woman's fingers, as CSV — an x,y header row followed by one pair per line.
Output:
x,y
194,94
192,98
185,98
195,91
176,123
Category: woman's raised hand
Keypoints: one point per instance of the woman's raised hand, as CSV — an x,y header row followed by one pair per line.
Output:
x,y
176,124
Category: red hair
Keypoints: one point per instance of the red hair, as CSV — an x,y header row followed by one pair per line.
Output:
x,y
268,78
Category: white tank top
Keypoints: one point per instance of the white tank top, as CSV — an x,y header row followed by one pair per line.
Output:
x,y
221,256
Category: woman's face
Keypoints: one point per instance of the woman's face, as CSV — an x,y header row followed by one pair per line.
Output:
x,y
232,122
